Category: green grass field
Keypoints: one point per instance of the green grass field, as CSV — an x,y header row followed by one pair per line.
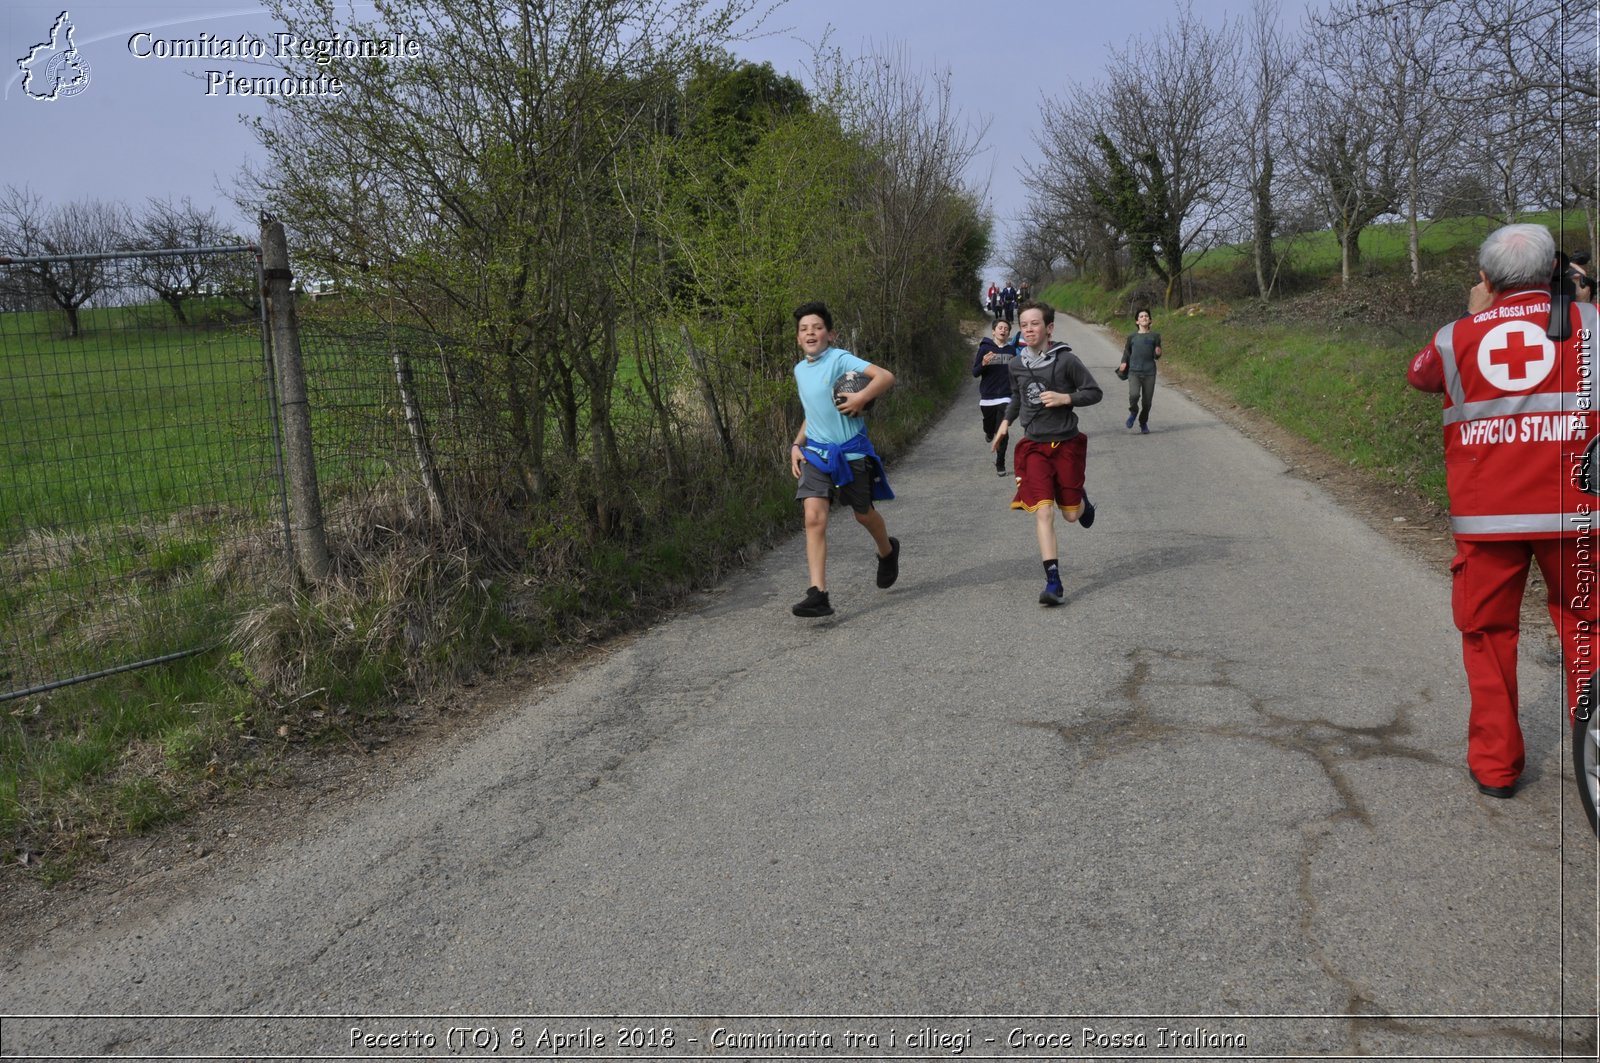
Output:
x,y
139,516
128,421
138,484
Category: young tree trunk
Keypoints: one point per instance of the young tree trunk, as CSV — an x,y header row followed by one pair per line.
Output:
x,y
175,301
1413,225
1264,223
420,443
1414,245
1349,253
708,394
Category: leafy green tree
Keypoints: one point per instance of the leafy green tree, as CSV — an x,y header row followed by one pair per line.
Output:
x,y
471,190
1121,196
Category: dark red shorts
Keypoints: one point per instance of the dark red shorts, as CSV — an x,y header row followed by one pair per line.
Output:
x,y
1049,473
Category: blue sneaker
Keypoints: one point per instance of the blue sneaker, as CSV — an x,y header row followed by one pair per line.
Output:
x,y
1129,422
1053,593
1086,518
1144,429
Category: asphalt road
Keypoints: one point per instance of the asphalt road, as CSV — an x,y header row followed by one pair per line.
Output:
x,y
1214,805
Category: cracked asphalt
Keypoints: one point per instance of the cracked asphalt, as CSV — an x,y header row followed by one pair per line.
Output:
x,y
1221,790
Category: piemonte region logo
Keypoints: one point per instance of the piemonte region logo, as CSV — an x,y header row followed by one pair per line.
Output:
x,y
55,69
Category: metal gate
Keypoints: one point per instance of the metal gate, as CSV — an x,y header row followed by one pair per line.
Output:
x,y
141,497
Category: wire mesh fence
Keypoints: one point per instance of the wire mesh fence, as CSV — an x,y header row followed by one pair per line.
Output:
x,y
140,494
394,410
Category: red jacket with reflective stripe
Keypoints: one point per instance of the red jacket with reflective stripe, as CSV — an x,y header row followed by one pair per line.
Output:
x,y
1519,409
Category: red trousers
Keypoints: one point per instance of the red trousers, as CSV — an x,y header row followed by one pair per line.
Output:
x,y
1486,599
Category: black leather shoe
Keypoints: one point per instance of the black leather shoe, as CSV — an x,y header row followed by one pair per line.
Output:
x,y
1501,792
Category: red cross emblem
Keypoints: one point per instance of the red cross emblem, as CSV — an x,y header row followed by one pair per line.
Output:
x,y
1516,356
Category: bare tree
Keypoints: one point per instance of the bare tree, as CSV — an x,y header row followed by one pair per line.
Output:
x,y
1169,113
1581,168
70,236
1542,46
1339,143
1404,57
1513,145
1524,72
917,148
178,278
1268,73
1160,129
1044,244
1063,176
1535,78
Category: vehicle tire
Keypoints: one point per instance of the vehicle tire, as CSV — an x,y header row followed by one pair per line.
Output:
x,y
1586,754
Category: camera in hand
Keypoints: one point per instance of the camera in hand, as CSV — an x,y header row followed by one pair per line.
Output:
x,y
1562,294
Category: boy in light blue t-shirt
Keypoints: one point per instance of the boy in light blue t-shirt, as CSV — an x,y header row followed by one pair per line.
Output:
x,y
832,456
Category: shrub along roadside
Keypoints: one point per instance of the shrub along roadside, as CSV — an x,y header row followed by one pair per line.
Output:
x,y
408,613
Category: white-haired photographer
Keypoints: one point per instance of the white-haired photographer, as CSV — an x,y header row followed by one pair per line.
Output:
x,y
1519,409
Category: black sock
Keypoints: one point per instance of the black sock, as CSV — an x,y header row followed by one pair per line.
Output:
x,y
1052,570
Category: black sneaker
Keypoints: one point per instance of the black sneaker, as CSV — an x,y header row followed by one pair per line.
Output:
x,y
999,470
1086,518
889,564
815,604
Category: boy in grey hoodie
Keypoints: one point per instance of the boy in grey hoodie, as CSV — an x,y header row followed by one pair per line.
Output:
x,y
1048,384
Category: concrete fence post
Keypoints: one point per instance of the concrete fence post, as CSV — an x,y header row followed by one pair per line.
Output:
x,y
283,328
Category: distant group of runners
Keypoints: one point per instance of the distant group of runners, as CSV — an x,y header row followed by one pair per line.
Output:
x,y
1003,303
1037,385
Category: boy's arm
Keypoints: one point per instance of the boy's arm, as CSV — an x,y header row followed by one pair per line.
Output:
x,y
796,455
1085,392
1014,407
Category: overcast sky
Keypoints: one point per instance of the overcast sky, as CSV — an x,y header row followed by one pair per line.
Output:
x,y
145,127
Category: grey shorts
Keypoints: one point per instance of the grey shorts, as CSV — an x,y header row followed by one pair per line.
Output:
x,y
857,494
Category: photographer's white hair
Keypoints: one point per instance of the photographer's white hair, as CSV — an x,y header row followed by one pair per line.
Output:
x,y
1518,256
